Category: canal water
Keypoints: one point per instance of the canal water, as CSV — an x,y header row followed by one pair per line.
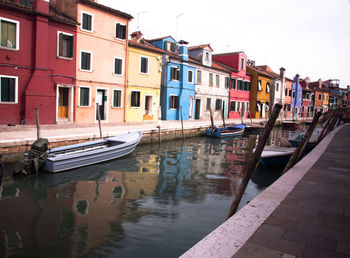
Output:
x,y
156,202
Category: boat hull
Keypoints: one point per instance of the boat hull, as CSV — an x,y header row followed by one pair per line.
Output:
x,y
275,156
226,131
115,147
290,125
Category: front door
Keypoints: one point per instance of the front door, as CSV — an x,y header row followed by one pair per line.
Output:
x,y
100,96
262,110
198,109
148,108
63,94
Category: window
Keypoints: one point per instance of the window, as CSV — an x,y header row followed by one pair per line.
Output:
x,y
320,96
232,106
218,104
277,87
86,21
85,60
144,64
206,55
190,76
245,86
120,31
8,89
240,85
175,73
208,103
259,86
118,66
217,80
299,95
233,84
9,33
290,92
117,98
258,107
248,86
267,87
238,106
210,79
174,102
199,77
170,46
65,45
293,94
84,97
286,94
227,82
242,63
135,99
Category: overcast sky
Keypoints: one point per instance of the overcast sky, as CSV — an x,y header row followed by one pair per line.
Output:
x,y
309,37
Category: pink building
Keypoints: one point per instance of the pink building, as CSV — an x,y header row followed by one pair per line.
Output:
x,y
239,83
36,55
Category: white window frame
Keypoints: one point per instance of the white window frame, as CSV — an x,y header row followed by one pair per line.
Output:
x,y
16,89
147,64
17,33
259,85
188,76
123,66
177,68
58,45
121,98
115,30
217,80
131,97
91,60
92,21
89,97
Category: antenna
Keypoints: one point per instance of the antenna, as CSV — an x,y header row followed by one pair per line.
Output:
x,y
138,18
177,17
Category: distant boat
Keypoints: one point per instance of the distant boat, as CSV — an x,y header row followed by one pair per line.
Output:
x,y
88,153
254,127
291,125
296,138
226,131
275,156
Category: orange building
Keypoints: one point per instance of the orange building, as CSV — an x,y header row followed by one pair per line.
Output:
x,y
287,98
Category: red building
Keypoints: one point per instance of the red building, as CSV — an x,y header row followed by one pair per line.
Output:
x,y
307,97
36,55
239,85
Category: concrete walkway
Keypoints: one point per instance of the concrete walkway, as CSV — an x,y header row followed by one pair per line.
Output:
x,y
306,213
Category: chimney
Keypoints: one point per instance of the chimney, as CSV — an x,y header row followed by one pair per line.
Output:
x,y
183,50
41,6
136,36
282,72
296,78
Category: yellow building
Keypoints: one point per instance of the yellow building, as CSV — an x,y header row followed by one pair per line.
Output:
x,y
325,100
144,80
260,92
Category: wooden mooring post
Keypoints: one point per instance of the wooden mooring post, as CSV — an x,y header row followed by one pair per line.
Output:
x,y
211,118
255,159
297,154
223,116
38,133
99,119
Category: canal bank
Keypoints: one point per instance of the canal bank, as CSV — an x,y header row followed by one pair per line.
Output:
x,y
15,140
305,213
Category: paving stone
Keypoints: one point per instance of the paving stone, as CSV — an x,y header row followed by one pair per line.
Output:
x,y
322,231
258,251
320,207
271,231
343,247
310,239
347,212
278,244
281,222
337,225
312,252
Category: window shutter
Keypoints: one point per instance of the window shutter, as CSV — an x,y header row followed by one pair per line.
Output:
x,y
117,30
88,22
123,32
177,101
60,44
71,42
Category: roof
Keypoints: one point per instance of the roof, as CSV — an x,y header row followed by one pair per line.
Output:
x,y
268,70
200,46
106,9
145,45
229,53
52,15
260,71
161,38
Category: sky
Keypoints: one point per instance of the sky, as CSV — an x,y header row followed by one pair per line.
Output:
x,y
308,37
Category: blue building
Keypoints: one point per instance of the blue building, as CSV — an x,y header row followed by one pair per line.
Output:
x,y
296,98
178,80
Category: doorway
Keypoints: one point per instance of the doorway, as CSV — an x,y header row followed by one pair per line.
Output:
x,y
63,100
198,109
262,114
100,99
148,108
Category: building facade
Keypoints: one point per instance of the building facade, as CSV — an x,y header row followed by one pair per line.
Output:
x,y
212,84
144,78
296,98
240,83
37,57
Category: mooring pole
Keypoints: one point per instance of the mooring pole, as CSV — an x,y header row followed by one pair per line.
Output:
x,y
223,116
297,154
99,119
38,134
256,156
326,125
211,118
182,125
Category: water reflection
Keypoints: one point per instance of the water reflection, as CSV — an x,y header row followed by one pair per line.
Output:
x,y
157,202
